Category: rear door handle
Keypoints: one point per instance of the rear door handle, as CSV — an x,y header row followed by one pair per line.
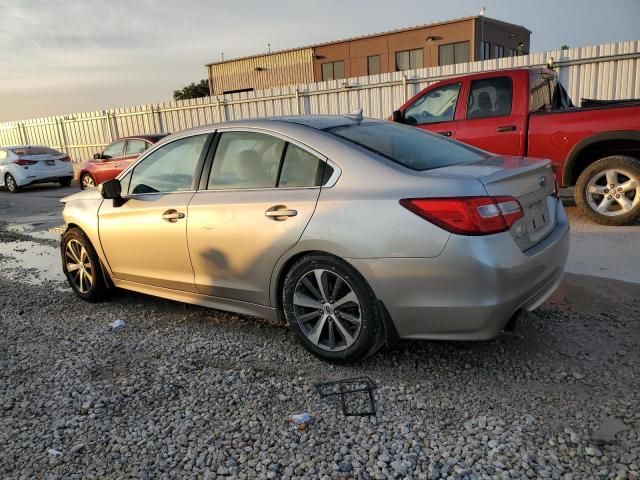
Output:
x,y
172,215
280,212
446,134
506,128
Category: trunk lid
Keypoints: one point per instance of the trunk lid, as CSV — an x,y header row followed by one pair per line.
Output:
x,y
530,181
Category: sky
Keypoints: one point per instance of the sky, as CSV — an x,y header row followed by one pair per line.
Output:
x,y
67,56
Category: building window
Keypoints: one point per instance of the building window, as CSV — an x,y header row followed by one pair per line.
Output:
x,y
409,59
453,53
373,65
332,71
499,51
485,50
513,52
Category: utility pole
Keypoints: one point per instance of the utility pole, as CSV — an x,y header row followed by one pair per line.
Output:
x,y
482,12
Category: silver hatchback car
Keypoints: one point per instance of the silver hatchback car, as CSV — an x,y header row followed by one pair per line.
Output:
x,y
354,231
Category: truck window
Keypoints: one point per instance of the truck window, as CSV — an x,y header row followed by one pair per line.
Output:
x,y
438,105
490,97
547,93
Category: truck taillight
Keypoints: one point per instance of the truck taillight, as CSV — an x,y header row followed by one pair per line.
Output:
x,y
467,215
556,188
22,162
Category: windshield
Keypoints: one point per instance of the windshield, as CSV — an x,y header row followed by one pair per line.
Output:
x,y
409,146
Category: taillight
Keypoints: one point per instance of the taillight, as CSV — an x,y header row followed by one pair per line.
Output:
x,y
24,163
556,188
65,159
468,215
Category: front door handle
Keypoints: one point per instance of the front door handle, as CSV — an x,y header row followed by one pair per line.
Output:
x,y
280,212
506,128
446,134
172,215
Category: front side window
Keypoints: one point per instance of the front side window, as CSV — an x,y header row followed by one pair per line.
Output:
x,y
412,147
135,147
438,105
409,59
490,97
115,150
453,53
170,168
332,71
246,160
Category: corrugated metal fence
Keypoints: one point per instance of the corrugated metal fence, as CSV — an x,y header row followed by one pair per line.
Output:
x,y
610,71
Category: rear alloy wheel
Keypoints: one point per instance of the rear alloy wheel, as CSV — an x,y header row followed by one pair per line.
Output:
x,y
608,191
82,267
331,308
86,181
10,183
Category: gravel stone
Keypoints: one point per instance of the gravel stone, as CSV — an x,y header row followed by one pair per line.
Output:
x,y
188,392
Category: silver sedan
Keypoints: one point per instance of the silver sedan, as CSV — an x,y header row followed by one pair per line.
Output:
x,y
355,232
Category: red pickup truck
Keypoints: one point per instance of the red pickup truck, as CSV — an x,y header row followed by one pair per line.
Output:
x,y
594,148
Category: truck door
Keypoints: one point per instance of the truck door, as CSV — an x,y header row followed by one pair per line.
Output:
x,y
435,110
493,120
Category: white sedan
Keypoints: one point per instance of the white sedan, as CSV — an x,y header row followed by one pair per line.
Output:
x,y
27,164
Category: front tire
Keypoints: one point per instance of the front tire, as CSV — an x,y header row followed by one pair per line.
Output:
x,y
86,181
331,308
81,266
608,191
11,183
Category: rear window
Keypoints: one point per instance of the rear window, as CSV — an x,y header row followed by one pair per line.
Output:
x,y
409,146
35,151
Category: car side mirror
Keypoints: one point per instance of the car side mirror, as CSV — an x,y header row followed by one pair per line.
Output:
x,y
111,189
398,116
97,156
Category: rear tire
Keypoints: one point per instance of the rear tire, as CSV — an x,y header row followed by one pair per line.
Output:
x,y
331,308
599,201
81,266
11,183
86,181
65,182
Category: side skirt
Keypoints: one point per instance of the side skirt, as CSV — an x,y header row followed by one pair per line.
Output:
x,y
225,304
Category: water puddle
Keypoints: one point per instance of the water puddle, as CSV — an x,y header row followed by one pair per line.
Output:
x,y
31,262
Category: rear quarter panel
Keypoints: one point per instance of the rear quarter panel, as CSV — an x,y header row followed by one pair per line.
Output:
x,y
554,135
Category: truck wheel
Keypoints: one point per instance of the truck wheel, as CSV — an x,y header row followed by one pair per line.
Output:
x,y
608,191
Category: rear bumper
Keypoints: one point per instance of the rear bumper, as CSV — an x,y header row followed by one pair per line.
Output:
x,y
25,177
473,288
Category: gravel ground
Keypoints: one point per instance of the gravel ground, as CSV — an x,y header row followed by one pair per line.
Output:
x,y
185,392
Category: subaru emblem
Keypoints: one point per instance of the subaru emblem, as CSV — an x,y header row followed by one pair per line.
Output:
x,y
542,180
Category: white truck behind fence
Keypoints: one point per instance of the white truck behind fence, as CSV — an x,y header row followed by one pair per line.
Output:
x,y
608,72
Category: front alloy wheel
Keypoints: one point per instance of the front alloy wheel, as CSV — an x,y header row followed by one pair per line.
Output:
x,y
82,267
608,191
86,181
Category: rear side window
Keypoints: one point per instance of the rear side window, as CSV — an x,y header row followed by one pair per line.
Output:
x,y
412,147
490,97
35,151
246,160
300,168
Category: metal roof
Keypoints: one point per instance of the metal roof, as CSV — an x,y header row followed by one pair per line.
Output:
x,y
370,35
